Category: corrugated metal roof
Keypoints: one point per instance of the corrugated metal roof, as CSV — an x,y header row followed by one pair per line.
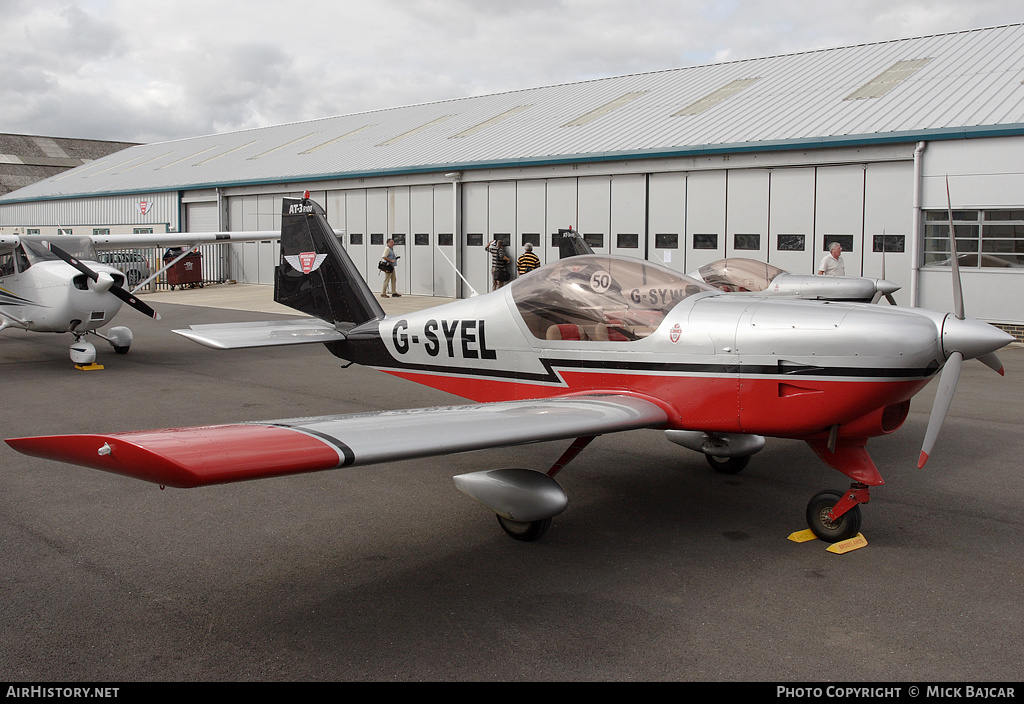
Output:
x,y
934,87
26,159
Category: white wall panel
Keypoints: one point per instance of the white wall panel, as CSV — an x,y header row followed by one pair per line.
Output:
x,y
594,210
839,210
446,257
531,211
561,211
889,210
705,215
792,217
747,213
476,263
628,213
355,226
667,216
421,240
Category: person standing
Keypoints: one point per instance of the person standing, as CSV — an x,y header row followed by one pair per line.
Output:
x,y
527,261
388,262
499,264
833,264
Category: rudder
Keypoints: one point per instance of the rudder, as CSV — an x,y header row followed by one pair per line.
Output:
x,y
315,274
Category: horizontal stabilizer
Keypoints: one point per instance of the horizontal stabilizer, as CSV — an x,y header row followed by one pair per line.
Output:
x,y
189,457
266,333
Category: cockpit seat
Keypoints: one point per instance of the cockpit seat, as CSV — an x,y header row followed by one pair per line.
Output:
x,y
566,332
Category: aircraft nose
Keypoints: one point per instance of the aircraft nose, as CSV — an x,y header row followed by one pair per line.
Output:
x,y
972,338
103,281
886,286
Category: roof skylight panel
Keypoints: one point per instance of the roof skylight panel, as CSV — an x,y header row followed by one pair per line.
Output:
x,y
888,79
493,121
415,130
715,97
282,146
603,110
337,139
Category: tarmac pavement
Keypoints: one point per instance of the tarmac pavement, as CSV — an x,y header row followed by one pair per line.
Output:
x,y
659,570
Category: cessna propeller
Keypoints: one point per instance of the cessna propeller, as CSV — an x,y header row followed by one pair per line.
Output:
x,y
105,282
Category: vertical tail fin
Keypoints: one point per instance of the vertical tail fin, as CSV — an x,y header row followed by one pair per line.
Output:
x,y
315,274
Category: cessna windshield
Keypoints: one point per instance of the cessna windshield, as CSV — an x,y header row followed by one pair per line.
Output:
x,y
600,297
739,274
36,249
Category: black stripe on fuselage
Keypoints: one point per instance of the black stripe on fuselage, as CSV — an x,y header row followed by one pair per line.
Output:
x,y
370,351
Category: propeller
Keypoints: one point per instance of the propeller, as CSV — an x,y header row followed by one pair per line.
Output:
x,y
105,282
961,339
886,288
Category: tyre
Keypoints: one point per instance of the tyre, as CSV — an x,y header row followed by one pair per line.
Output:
x,y
526,532
727,465
818,509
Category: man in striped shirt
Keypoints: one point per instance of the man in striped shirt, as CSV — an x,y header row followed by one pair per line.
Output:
x,y
527,261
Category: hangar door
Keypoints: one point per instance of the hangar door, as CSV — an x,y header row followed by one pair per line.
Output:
x,y
201,217
839,214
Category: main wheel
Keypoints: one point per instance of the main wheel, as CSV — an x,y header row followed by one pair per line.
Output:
x,y
818,509
728,465
530,531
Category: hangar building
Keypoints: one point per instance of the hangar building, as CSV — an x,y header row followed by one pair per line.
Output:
x,y
769,158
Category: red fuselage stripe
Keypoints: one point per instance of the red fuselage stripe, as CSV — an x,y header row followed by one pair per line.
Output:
x,y
788,407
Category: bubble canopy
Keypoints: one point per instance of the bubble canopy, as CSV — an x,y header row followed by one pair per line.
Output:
x,y
739,274
600,298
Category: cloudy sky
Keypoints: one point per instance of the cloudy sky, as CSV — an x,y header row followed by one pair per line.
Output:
x,y
168,69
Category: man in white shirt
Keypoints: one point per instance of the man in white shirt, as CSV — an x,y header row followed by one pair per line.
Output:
x,y
833,264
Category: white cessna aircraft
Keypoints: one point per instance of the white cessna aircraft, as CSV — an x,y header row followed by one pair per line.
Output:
x,y
56,284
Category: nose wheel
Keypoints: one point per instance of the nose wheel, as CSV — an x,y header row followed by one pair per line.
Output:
x,y
824,517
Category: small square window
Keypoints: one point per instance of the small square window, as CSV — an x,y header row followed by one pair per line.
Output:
x,y
445,239
746,242
421,239
355,238
474,239
627,241
889,243
399,239
531,238
376,238
666,241
594,239
792,243
705,241
845,240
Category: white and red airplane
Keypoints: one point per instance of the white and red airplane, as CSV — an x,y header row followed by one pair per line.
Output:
x,y
57,285
587,345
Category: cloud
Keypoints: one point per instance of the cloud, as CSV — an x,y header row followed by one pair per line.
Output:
x,y
114,69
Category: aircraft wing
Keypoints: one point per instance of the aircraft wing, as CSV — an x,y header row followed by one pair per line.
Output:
x,y
189,457
265,333
162,239
180,239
